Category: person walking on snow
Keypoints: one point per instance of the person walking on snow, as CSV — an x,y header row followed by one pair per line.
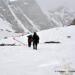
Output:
x,y
29,40
35,40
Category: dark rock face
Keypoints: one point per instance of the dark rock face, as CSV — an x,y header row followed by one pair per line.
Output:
x,y
73,22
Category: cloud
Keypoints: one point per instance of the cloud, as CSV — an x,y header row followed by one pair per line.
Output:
x,y
13,0
51,4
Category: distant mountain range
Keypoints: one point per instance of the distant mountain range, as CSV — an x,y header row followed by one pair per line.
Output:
x,y
27,16
62,16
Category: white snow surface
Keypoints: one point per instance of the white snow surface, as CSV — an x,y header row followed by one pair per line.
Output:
x,y
5,25
22,60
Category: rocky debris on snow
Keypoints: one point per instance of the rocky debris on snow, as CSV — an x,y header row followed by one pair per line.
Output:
x,y
7,45
57,42
68,36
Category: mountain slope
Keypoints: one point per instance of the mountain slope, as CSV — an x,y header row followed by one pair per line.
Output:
x,y
24,14
4,25
61,16
27,16
6,30
7,15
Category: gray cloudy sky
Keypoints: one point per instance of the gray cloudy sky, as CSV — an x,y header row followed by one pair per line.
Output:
x,y
51,4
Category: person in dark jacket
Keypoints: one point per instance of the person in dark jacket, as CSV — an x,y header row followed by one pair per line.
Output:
x,y
29,40
35,40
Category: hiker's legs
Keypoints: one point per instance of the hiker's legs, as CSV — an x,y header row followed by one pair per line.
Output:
x,y
35,46
29,44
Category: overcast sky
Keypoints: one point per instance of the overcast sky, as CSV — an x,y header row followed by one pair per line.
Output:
x,y
52,4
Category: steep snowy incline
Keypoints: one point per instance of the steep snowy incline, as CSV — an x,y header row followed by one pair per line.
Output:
x,y
18,21
5,25
24,15
6,30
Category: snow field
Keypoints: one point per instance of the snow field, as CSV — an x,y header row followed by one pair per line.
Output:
x,y
21,60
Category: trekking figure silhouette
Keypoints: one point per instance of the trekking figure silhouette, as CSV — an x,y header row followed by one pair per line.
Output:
x,y
35,40
29,40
